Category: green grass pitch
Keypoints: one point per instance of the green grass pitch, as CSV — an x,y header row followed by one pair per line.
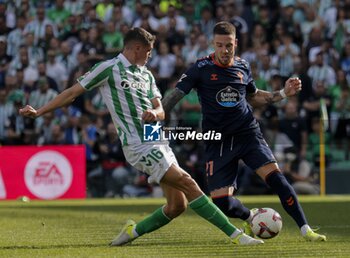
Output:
x,y
83,228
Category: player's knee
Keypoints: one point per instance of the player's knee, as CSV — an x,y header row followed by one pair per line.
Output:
x,y
279,184
277,180
188,183
181,180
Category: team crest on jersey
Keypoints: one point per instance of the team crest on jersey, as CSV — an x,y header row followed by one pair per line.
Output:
x,y
228,97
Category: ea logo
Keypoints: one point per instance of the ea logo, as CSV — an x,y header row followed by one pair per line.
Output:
x,y
48,174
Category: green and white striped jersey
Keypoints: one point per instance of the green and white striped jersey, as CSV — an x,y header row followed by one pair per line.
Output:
x,y
127,91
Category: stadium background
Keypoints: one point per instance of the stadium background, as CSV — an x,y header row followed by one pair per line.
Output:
x,y
46,45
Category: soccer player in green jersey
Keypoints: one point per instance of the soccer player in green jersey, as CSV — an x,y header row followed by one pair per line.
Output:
x,y
132,98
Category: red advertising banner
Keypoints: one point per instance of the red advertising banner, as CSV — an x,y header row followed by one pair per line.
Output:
x,y
49,172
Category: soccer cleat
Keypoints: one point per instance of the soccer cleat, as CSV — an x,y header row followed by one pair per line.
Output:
x,y
243,239
247,229
314,237
125,236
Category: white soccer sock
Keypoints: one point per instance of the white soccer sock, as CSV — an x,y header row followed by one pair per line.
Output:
x,y
304,229
134,232
249,219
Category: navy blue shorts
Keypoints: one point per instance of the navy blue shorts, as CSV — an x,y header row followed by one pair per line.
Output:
x,y
222,158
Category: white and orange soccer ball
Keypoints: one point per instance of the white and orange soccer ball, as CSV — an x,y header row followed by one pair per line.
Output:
x,y
266,223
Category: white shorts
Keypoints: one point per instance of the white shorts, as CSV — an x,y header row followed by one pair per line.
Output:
x,y
153,159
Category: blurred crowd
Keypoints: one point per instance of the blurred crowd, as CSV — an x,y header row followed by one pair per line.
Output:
x,y
46,45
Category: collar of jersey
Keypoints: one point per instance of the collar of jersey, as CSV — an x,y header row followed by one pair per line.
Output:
x,y
212,56
127,64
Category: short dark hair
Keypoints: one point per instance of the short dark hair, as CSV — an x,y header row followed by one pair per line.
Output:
x,y
224,28
140,35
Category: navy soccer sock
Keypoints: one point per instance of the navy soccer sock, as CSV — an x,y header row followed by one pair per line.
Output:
x,y
287,195
232,207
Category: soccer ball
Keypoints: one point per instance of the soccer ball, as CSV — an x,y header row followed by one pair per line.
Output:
x,y
266,223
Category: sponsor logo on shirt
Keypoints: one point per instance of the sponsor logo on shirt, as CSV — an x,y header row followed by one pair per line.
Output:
x,y
228,97
136,85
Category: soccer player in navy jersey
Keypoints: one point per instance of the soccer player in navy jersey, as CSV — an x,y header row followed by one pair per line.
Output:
x,y
227,93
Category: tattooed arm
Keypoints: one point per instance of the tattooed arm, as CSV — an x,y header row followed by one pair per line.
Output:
x,y
172,99
260,97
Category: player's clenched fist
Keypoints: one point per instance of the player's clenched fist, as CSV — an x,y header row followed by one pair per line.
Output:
x,y
28,111
292,86
149,116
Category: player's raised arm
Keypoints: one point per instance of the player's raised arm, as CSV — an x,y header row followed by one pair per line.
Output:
x,y
66,97
260,97
172,99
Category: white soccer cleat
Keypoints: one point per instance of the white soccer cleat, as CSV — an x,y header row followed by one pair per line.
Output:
x,y
243,239
125,236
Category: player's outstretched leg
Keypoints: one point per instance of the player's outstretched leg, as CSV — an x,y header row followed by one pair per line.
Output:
x,y
129,231
177,185
202,205
290,203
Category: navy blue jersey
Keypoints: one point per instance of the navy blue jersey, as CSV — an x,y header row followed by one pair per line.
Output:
x,y
222,93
